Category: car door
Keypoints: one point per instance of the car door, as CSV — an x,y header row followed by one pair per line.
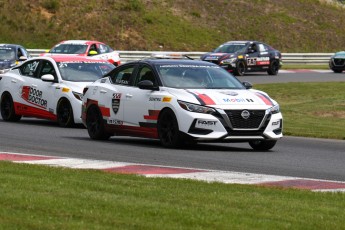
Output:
x,y
116,96
139,109
49,90
37,94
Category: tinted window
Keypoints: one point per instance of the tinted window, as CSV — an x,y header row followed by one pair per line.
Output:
x,y
197,76
231,48
146,73
7,54
83,71
69,49
104,49
122,75
47,68
30,68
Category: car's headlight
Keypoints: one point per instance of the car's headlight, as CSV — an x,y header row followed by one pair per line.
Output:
x,y
228,61
79,96
196,108
275,109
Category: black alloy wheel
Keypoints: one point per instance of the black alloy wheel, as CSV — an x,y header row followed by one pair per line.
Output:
x,y
168,131
7,108
240,68
65,114
273,68
95,124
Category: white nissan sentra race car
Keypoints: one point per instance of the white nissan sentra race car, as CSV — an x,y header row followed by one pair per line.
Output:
x,y
49,88
179,101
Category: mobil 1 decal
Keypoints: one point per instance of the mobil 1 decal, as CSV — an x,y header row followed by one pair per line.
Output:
x,y
115,102
34,96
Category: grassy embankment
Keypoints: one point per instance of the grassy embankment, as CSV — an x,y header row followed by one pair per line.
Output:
x,y
40,197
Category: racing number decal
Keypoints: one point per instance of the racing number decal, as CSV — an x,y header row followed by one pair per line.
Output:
x,y
115,102
258,61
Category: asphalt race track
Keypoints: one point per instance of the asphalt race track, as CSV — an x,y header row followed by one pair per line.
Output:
x,y
292,156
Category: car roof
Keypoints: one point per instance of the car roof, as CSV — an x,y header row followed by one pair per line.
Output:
x,y
81,42
160,61
11,45
67,58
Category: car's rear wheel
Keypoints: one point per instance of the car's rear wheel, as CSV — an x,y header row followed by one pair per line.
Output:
x,y
95,124
168,131
273,69
240,68
262,145
7,108
65,113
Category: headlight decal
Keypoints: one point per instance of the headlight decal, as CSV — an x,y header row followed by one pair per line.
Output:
x,y
202,98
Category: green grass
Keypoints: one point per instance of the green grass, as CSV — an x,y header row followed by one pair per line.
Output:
x,y
287,25
310,109
40,197
303,66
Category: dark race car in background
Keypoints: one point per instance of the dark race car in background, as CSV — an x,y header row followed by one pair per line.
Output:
x,y
239,57
11,55
337,62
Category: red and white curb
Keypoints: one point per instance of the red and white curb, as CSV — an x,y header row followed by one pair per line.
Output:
x,y
176,172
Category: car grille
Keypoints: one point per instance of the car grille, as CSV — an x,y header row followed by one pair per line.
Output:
x,y
238,122
339,61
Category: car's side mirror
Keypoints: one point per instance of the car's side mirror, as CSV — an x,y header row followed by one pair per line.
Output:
x,y
22,58
93,52
248,85
147,84
48,77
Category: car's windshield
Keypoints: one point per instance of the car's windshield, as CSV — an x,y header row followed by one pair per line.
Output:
x,y
7,54
231,48
84,71
197,76
69,49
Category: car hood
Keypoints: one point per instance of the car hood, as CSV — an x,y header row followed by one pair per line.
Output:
x,y
75,86
216,56
225,98
340,54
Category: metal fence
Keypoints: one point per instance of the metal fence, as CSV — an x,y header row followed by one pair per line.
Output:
x,y
288,58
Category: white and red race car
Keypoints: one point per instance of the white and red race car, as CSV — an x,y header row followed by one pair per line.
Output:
x,y
49,88
94,49
179,101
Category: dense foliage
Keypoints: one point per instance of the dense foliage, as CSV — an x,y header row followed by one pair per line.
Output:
x,y
178,25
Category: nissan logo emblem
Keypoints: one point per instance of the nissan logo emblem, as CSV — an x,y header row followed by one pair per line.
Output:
x,y
245,114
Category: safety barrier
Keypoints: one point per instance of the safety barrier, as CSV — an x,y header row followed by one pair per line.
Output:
x,y
288,58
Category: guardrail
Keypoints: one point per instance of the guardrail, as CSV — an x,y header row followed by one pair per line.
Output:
x,y
288,58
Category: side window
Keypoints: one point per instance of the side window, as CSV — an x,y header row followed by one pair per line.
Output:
x,y
262,48
123,75
47,68
93,47
104,49
30,68
146,73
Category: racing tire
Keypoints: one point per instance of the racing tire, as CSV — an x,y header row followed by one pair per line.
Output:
x,y
95,124
168,131
65,114
262,145
7,108
240,68
337,70
273,69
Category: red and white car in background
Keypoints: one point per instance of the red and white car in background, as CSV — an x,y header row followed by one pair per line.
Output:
x,y
94,49
49,88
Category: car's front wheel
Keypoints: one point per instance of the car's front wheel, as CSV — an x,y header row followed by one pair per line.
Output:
x,y
7,108
168,131
337,70
273,68
95,124
65,114
262,145
240,68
